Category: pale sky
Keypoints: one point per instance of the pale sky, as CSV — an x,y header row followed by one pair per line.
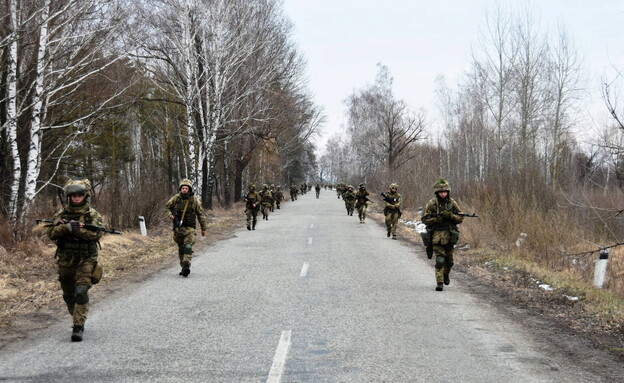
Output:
x,y
343,40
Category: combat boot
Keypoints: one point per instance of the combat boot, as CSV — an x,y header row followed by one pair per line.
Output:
x,y
77,332
248,227
439,287
388,234
447,280
186,270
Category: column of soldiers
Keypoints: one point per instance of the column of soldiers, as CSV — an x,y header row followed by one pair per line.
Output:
x,y
441,217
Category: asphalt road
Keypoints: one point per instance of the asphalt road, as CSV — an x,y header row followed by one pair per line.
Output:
x,y
312,295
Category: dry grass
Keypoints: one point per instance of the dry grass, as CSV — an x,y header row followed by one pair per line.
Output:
x,y
494,257
28,279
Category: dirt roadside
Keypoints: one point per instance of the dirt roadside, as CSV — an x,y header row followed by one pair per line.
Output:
x,y
559,326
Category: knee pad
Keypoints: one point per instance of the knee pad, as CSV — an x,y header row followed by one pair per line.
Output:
x,y
188,248
82,297
439,262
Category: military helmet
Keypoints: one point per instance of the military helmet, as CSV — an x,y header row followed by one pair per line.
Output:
x,y
393,186
361,186
265,186
252,187
441,185
186,182
77,187
350,187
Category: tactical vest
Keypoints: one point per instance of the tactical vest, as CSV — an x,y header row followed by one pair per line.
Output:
x,y
190,217
74,249
441,207
252,198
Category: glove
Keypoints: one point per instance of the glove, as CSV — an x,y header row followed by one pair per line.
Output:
x,y
73,226
446,214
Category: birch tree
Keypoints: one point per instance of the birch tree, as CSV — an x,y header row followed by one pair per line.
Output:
x,y
61,46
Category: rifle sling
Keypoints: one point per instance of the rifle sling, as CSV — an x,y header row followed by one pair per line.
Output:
x,y
184,211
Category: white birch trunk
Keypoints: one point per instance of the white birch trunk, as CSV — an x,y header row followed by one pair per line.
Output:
x,y
33,164
12,114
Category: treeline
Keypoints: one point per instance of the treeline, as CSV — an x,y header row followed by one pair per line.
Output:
x,y
137,95
508,136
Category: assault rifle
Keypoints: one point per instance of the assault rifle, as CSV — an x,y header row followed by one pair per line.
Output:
x,y
388,199
468,215
88,226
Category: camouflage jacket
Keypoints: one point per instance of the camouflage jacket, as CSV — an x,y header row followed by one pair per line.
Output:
x,y
74,248
194,210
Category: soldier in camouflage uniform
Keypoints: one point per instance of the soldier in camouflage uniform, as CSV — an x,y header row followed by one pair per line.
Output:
x,y
266,199
392,210
441,217
349,199
361,202
77,252
184,209
252,205
293,192
279,197
317,189
272,190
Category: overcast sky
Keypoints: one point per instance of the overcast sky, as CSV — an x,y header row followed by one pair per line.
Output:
x,y
343,40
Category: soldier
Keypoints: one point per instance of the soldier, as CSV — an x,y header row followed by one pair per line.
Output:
x,y
266,199
441,217
361,202
279,196
392,211
304,188
184,209
272,190
77,252
349,198
317,188
252,205
293,192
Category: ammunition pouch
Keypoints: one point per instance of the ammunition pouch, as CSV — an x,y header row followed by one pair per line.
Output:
x,y
96,274
454,238
74,249
427,238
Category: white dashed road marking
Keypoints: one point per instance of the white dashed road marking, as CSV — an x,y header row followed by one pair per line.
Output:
x,y
304,270
279,361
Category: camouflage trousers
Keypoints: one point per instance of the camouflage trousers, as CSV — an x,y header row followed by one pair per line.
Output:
x,y
361,211
444,261
293,196
392,220
71,276
185,238
252,216
265,210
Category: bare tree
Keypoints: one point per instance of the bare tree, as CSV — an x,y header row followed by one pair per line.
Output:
x,y
381,126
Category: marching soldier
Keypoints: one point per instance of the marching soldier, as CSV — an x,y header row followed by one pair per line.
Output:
x,y
184,209
77,252
279,197
293,192
252,205
392,211
266,200
272,190
441,215
361,202
317,188
349,198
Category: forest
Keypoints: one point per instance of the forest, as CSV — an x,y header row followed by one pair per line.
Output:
x,y
136,95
